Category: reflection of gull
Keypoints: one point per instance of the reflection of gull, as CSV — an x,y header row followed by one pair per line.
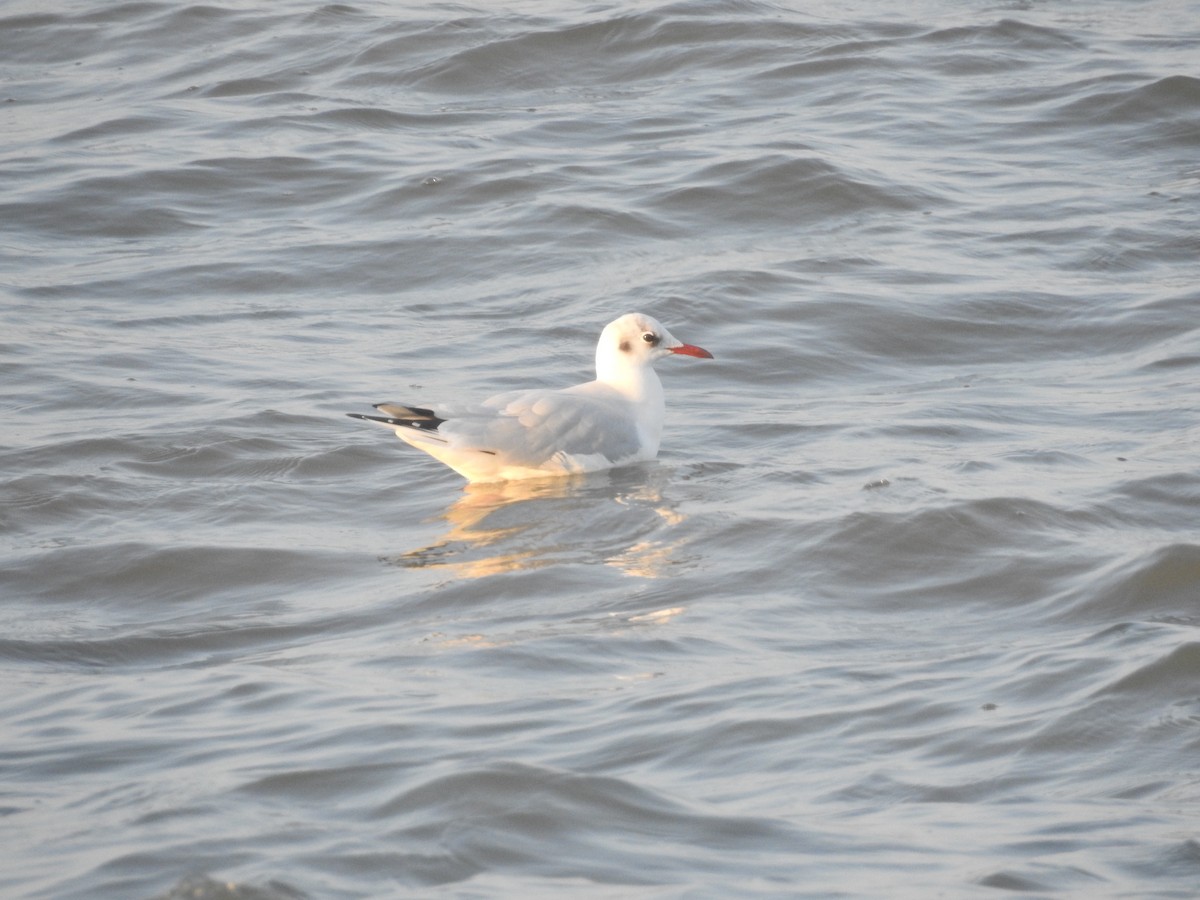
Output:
x,y
522,525
646,559
615,420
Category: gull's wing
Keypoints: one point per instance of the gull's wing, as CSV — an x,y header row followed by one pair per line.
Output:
x,y
519,433
528,428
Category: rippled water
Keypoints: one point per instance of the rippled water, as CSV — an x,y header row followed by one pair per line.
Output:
x,y
909,604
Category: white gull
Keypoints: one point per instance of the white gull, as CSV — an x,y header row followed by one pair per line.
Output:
x,y
612,421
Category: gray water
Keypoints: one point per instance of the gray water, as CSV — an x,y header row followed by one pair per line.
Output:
x,y
907,607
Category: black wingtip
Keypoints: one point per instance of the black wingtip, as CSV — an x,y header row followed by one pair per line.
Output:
x,y
418,412
415,424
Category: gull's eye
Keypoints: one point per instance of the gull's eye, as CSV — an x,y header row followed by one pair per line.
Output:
x,y
651,338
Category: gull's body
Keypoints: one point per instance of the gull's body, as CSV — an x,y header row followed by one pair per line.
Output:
x,y
611,421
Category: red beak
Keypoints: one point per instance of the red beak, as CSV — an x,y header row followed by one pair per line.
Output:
x,y
689,350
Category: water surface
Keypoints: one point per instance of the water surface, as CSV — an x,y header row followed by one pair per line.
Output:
x,y
907,607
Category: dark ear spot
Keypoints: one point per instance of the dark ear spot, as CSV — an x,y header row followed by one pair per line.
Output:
x,y
624,346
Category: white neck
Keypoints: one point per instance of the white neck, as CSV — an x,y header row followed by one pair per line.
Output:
x,y
640,385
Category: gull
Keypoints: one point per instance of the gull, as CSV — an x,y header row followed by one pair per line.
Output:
x,y
612,421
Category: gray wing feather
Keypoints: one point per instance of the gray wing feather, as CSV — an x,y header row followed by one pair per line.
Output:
x,y
529,427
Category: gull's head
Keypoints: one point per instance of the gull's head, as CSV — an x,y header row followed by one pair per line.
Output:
x,y
634,341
